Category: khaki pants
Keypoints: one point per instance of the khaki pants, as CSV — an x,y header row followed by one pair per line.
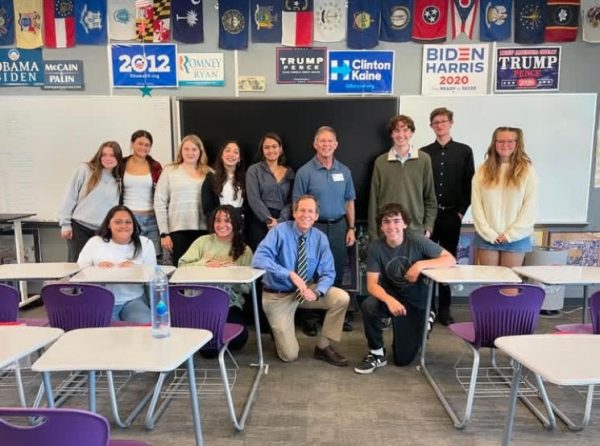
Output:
x,y
280,309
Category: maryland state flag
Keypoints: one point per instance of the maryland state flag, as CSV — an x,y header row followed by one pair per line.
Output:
x,y
144,20
59,23
562,20
464,13
495,20
590,17
530,21
330,20
363,24
430,21
28,23
233,24
121,20
162,20
7,23
396,20
90,22
297,23
187,21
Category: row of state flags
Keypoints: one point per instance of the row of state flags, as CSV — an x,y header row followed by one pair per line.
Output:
x,y
362,23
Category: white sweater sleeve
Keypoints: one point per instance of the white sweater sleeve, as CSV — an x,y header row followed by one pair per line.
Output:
x,y
161,200
523,225
72,194
482,226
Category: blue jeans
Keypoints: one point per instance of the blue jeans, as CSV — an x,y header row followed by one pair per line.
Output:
x,y
136,310
149,229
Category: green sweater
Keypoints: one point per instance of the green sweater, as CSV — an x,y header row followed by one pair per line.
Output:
x,y
207,248
410,184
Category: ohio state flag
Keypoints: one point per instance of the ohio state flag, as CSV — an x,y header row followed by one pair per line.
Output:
x,y
297,23
430,21
59,23
464,13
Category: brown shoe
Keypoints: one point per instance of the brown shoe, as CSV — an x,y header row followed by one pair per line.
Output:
x,y
328,354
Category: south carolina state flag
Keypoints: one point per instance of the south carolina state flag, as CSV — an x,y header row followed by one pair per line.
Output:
x,y
297,23
59,23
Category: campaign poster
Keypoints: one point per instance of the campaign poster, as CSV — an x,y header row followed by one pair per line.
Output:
x,y
300,65
63,75
20,67
148,65
360,72
201,69
527,69
455,69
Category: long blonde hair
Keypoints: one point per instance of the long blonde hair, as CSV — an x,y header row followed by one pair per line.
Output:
x,y
518,163
95,165
202,163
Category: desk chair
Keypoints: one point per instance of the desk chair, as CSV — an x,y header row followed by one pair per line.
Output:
x,y
57,427
9,308
497,310
593,328
203,306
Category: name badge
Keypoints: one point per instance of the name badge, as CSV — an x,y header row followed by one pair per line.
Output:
x,y
337,177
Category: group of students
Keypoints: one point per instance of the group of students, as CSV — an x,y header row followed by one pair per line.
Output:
x,y
122,210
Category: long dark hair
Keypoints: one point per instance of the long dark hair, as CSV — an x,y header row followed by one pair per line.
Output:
x,y
106,234
221,174
238,242
282,161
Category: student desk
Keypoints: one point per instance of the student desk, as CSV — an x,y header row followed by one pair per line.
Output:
x,y
35,271
130,274
19,342
227,276
125,349
15,220
564,275
459,274
565,360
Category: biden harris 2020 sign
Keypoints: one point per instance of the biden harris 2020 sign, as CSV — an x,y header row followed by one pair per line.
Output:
x,y
455,69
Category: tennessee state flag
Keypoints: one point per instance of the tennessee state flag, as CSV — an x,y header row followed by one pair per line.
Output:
x,y
59,23
562,20
28,24
297,23
430,21
464,13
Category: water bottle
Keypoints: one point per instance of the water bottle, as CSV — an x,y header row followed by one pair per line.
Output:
x,y
159,304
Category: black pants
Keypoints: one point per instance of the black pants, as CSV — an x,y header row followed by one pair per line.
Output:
x,y
81,235
336,234
182,241
446,232
407,330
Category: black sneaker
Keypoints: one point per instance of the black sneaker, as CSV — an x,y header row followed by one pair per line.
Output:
x,y
370,363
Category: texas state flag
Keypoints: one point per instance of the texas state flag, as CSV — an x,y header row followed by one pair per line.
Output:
x,y
59,23
297,23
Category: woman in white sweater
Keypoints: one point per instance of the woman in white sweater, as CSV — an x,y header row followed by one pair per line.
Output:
x,y
120,245
504,201
94,189
177,199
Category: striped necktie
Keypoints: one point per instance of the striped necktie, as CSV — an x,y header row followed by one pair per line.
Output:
x,y
301,263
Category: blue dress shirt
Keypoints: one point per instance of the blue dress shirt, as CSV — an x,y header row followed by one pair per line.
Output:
x,y
277,255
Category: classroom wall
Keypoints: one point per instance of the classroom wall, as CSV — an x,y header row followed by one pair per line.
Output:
x,y
579,73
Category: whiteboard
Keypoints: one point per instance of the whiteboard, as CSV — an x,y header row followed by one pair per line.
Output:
x,y
559,138
43,140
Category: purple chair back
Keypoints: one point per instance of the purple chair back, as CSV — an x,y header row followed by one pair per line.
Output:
x,y
504,310
9,303
595,309
58,427
200,306
77,305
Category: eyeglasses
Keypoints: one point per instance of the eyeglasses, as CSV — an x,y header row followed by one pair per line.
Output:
x,y
506,141
441,121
